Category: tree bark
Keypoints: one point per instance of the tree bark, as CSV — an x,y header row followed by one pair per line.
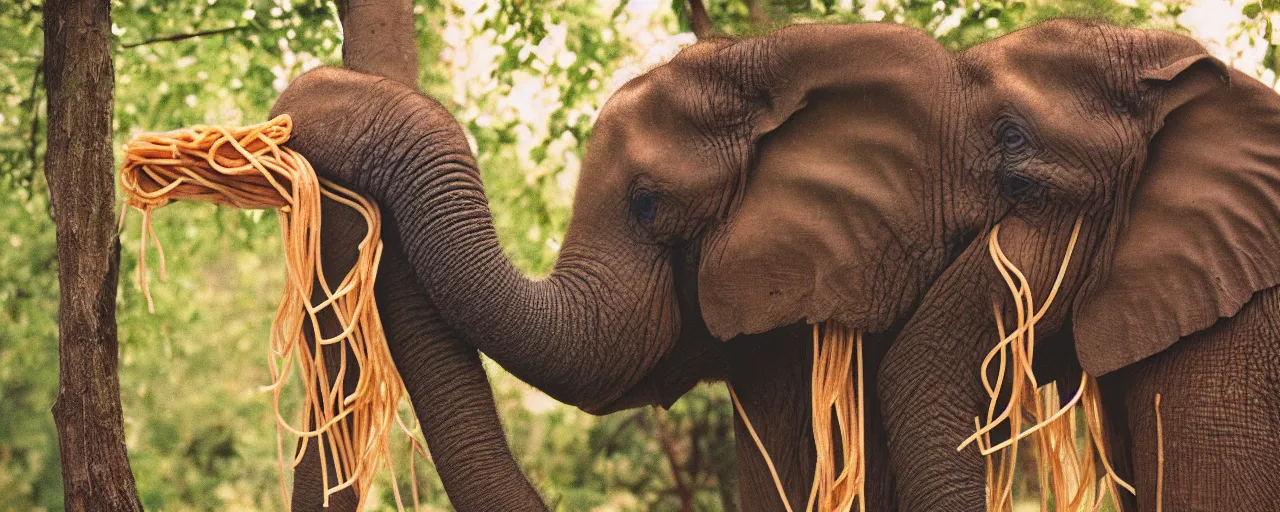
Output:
x,y
699,21
378,39
759,12
79,79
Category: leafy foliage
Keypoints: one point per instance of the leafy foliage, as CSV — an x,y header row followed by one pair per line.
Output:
x,y
526,80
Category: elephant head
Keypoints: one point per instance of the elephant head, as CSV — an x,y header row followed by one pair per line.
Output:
x,y
1167,163
744,186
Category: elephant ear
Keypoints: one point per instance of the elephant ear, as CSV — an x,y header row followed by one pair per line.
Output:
x,y
1204,228
836,165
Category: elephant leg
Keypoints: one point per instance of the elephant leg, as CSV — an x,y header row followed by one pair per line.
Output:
x,y
771,373
1119,448
879,485
1219,415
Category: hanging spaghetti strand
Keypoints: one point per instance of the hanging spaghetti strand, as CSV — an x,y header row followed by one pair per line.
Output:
x,y
1159,458
249,168
836,398
1065,470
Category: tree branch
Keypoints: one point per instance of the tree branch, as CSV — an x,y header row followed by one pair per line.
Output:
x,y
667,439
610,443
180,37
759,13
699,20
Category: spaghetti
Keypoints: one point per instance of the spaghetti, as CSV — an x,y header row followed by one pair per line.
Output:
x,y
1065,470
1159,458
836,349
249,168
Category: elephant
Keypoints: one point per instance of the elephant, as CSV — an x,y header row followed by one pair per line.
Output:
x,y
1157,167
854,173
728,199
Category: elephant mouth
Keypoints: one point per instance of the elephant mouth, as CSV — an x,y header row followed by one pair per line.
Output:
x,y
695,356
690,362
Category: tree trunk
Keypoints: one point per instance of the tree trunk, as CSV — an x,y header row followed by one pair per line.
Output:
x,y
78,165
699,21
378,39
759,11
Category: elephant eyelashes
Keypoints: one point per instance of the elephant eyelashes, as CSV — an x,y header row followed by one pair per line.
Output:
x,y
644,206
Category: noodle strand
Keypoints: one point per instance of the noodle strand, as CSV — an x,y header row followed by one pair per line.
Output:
x,y
834,392
1159,457
1066,471
249,168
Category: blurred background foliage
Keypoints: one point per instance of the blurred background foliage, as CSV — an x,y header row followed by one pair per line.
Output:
x,y
526,80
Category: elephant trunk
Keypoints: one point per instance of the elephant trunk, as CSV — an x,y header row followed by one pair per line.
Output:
x,y
580,335
449,390
931,390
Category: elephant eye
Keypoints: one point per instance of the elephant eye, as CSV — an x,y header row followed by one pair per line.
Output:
x,y
644,206
1013,138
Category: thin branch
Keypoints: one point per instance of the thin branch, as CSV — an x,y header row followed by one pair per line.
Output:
x,y
695,442
180,37
667,439
610,443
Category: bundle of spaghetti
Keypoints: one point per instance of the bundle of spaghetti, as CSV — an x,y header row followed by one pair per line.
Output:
x,y
1065,470
836,349
837,389
249,168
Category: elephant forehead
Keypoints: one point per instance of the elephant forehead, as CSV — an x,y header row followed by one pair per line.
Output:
x,y
1075,55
